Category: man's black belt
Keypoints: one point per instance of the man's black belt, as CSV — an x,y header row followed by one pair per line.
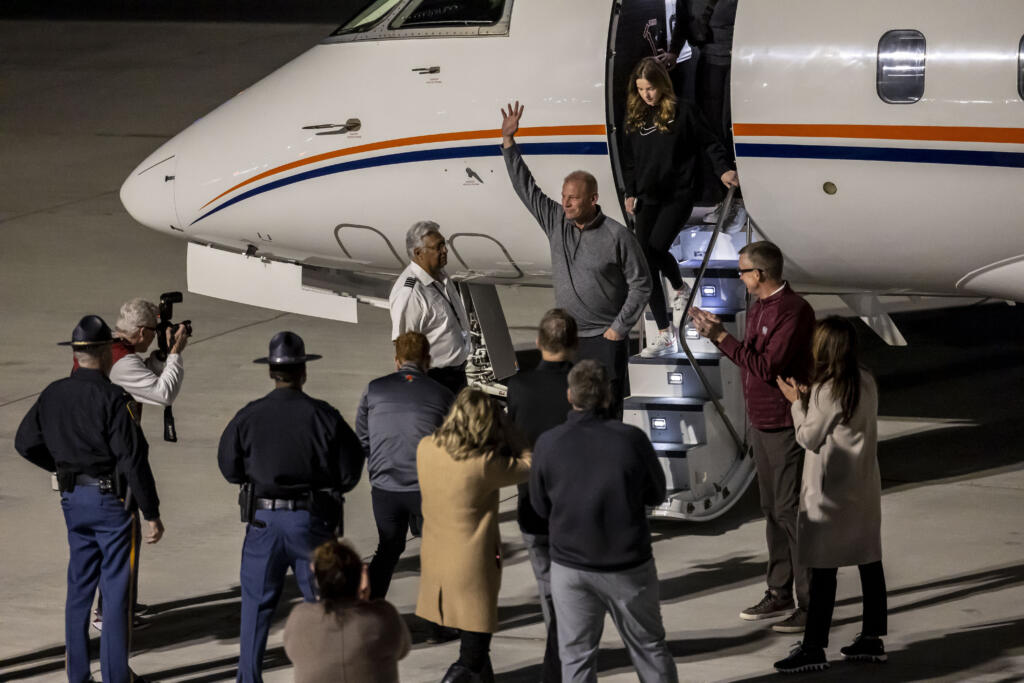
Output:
x,y
282,503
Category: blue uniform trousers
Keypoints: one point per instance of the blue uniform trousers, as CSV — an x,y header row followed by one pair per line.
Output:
x,y
100,536
287,540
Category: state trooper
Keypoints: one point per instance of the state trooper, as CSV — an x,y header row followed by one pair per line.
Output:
x,y
294,456
424,299
82,427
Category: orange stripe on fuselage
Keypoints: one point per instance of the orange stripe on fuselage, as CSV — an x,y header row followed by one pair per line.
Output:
x,y
417,140
932,133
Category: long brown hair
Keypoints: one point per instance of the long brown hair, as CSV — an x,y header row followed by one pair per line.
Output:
x,y
338,570
475,425
637,111
836,353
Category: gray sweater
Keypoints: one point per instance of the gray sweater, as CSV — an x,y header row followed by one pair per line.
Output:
x,y
599,273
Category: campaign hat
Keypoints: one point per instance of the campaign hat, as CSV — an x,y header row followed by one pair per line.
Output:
x,y
287,348
90,331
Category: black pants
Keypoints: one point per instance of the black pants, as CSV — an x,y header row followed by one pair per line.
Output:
x,y
453,377
614,355
823,601
656,228
396,512
475,650
713,100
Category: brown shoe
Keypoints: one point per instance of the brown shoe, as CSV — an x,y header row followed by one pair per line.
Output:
x,y
772,605
794,623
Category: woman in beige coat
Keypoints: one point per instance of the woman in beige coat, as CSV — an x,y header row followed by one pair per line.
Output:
x,y
836,420
461,468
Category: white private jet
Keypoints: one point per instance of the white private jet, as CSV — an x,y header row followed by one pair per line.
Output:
x,y
879,143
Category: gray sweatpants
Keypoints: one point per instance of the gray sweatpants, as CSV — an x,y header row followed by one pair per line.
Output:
x,y
581,600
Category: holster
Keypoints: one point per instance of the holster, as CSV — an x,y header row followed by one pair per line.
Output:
x,y
66,479
247,502
330,507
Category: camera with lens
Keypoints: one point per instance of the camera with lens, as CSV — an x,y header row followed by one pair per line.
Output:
x,y
167,301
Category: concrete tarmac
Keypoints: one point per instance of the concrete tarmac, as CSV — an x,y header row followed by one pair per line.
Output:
x,y
83,103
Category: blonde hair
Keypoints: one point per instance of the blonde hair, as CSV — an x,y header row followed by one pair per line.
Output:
x,y
474,426
637,110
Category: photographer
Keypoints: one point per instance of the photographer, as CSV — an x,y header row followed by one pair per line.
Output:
x,y
152,380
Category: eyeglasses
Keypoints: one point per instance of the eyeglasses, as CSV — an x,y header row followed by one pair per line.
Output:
x,y
147,327
743,271
437,247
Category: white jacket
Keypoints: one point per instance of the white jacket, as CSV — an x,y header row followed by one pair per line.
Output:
x,y
147,381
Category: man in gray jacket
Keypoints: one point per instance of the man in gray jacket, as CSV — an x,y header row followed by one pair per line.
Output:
x,y
598,268
395,412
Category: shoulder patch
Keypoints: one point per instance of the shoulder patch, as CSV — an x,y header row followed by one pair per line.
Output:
x,y
410,281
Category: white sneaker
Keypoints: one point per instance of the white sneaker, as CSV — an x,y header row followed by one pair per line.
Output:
x,y
663,344
679,298
712,215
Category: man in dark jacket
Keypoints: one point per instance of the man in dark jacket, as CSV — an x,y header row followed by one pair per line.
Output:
x,y
395,412
777,343
537,402
82,427
593,478
299,455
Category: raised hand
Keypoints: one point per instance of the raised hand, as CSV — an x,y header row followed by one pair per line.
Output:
x,y
510,122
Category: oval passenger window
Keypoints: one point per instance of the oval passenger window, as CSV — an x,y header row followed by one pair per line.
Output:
x,y
901,57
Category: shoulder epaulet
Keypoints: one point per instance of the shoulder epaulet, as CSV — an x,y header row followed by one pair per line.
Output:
x,y
410,281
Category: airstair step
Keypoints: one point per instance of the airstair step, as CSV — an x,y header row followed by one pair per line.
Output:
x,y
703,359
716,268
674,377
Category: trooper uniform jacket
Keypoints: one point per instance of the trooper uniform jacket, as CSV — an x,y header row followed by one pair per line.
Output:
x,y
419,303
83,423
289,444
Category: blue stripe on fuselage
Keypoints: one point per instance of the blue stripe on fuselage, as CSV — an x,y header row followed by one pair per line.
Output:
x,y
960,157
564,148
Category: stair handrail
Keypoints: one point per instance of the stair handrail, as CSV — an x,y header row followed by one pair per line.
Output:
x,y
723,214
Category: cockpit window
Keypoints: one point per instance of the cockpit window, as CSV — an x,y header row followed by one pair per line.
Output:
x,y
901,62
427,13
368,17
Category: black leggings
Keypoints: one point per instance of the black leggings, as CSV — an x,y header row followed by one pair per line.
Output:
x,y
474,650
396,513
823,600
656,227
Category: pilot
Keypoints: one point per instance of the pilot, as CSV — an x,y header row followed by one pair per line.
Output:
x,y
598,268
424,299
149,380
295,455
82,426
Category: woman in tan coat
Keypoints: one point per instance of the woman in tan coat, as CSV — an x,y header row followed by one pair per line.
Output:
x,y
461,468
836,420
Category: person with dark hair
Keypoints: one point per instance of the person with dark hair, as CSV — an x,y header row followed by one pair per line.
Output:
x,y
777,342
346,637
394,413
82,428
537,402
598,269
461,468
663,143
593,479
836,420
298,455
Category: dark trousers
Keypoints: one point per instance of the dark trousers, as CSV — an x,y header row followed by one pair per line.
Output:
x,y
614,355
475,650
133,559
779,460
100,539
656,228
287,540
823,601
396,512
540,560
453,377
714,103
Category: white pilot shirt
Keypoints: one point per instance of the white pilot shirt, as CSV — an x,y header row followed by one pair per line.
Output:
x,y
419,303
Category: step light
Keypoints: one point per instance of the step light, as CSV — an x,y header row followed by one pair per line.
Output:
x,y
659,423
691,333
709,290
675,378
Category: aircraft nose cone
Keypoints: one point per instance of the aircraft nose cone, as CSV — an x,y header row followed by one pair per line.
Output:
x,y
148,193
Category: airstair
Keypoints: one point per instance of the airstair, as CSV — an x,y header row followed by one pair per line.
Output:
x,y
690,404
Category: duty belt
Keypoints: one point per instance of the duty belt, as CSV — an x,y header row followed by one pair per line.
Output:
x,y
282,503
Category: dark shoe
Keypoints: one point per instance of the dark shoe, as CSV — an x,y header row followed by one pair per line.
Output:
x,y
865,649
138,623
460,673
441,634
141,608
794,623
800,659
772,605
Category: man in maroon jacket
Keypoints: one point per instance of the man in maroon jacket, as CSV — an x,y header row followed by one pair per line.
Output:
x,y
777,343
